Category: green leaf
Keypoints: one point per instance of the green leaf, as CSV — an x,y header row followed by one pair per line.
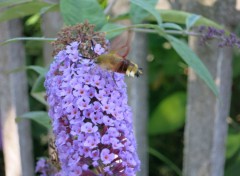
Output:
x,y
40,96
22,10
79,11
38,69
172,26
38,90
193,61
169,115
233,144
233,169
40,117
39,84
236,66
191,20
112,30
149,8
51,8
33,19
138,14
176,16
103,3
5,3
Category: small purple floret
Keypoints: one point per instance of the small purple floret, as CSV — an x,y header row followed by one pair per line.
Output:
x,y
99,49
42,167
208,33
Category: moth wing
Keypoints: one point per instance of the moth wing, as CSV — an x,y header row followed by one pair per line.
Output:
x,y
109,61
121,43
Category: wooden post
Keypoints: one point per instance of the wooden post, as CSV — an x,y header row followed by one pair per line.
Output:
x,y
138,99
17,142
51,25
206,124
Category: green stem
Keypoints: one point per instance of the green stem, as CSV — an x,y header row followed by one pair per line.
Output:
x,y
26,38
151,28
175,32
147,28
165,160
155,29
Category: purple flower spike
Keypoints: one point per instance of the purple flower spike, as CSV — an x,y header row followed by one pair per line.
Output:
x,y
90,116
225,40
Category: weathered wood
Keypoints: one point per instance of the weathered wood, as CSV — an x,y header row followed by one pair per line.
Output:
x,y
138,99
206,125
17,142
51,25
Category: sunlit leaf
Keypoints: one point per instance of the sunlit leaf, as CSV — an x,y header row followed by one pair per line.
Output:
x,y
38,90
172,26
40,96
138,13
51,8
191,20
169,115
79,11
22,10
149,8
103,3
39,84
193,61
33,19
233,144
177,16
40,70
40,117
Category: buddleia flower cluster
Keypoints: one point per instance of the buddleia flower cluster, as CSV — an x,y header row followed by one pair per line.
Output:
x,y
225,40
91,120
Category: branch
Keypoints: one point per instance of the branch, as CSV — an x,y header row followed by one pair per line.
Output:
x,y
26,38
109,7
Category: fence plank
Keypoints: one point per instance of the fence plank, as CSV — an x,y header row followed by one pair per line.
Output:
x,y
206,125
17,142
138,99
